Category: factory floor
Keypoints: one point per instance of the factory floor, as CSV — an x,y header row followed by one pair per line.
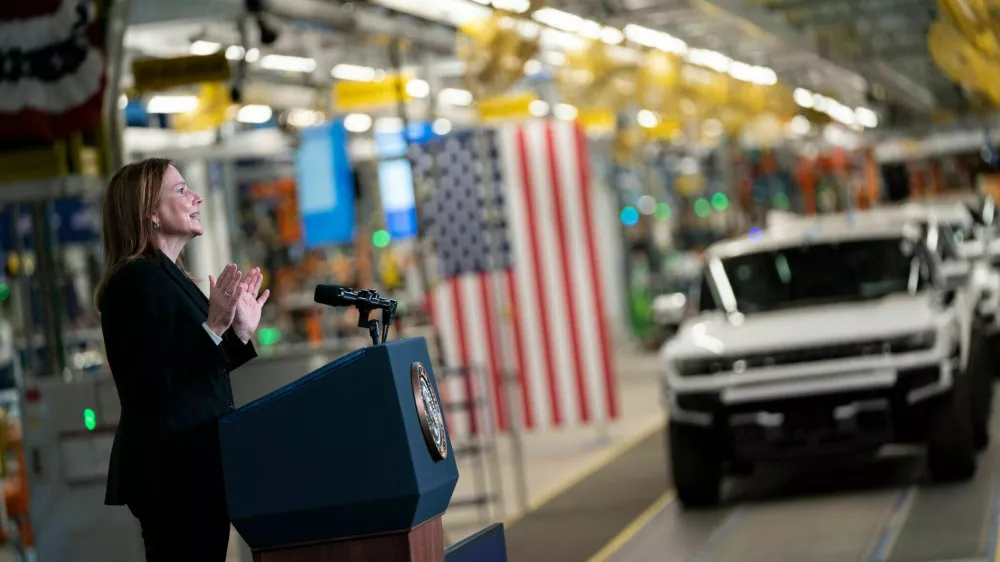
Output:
x,y
603,495
863,510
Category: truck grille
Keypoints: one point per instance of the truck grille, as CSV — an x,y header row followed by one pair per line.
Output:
x,y
888,346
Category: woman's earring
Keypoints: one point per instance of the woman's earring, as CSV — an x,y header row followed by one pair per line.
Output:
x,y
156,225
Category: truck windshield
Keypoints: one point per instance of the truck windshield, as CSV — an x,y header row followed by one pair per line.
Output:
x,y
825,273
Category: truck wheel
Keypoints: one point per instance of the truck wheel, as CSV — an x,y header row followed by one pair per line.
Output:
x,y
951,454
697,470
980,372
993,345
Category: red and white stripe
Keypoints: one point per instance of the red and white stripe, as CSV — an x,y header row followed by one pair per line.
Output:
x,y
545,318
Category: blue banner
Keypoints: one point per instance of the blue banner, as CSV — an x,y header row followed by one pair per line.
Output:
x,y
395,181
325,185
395,178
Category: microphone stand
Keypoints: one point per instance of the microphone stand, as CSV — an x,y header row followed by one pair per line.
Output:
x,y
365,305
371,324
387,314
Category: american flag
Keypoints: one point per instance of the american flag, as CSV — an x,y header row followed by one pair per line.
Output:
x,y
512,221
53,72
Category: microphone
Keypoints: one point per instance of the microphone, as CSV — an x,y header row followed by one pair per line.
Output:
x,y
336,295
365,301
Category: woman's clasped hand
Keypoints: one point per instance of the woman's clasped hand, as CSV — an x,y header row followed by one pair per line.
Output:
x,y
235,300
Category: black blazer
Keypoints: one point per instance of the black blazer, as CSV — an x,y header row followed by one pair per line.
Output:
x,y
172,378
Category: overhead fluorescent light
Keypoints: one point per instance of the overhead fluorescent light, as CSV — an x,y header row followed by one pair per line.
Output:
x,y
670,44
235,52
441,126
558,19
803,97
641,35
565,111
455,96
301,118
555,58
172,104
590,29
516,6
454,12
538,108
647,119
255,114
755,74
800,125
841,112
354,73
528,29
252,55
741,71
866,117
764,76
357,122
418,88
709,59
821,103
655,39
532,67
205,48
288,63
612,35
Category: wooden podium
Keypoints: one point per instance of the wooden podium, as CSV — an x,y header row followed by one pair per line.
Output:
x,y
350,463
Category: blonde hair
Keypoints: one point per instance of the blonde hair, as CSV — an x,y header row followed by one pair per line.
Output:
x,y
126,226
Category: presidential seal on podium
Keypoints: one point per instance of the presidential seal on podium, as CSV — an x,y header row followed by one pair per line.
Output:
x,y
429,411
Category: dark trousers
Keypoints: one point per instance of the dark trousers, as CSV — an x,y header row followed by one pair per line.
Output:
x,y
184,515
172,533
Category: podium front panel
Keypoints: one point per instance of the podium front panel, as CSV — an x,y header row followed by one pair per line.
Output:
x,y
340,452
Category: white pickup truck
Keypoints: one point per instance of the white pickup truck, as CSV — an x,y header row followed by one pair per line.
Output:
x,y
830,336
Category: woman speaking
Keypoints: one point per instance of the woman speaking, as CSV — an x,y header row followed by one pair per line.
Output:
x,y
170,350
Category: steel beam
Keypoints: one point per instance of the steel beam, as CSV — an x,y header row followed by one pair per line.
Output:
x,y
152,14
858,5
117,23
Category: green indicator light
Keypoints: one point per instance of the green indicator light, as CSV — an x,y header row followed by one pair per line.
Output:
x,y
662,212
720,201
702,208
269,336
380,238
89,419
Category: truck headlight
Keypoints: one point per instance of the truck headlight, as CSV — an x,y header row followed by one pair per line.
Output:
x,y
695,367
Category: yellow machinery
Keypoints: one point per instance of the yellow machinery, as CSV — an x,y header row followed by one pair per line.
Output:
x,y
965,44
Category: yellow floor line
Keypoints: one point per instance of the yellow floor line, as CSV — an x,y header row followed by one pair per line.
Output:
x,y
996,549
633,528
599,462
